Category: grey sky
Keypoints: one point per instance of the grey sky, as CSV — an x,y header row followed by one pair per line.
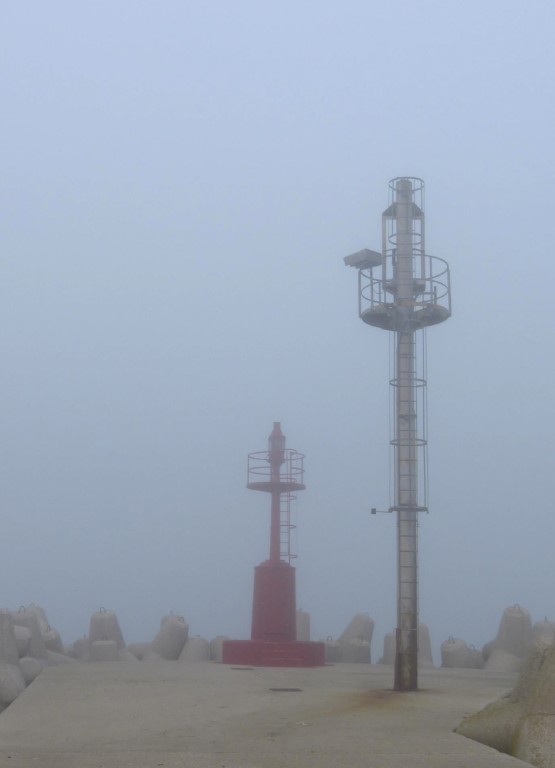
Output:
x,y
180,183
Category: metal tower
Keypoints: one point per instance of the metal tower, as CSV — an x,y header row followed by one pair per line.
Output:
x,y
403,289
278,471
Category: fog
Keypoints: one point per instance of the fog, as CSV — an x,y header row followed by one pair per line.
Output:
x,y
180,183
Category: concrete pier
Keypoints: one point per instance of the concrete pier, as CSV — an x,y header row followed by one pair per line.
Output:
x,y
207,715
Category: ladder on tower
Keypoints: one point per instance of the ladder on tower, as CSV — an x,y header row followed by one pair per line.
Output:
x,y
286,527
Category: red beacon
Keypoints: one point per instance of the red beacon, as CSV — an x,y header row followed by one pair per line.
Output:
x,y
278,471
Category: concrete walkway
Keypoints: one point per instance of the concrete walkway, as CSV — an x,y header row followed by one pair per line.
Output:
x,y
205,715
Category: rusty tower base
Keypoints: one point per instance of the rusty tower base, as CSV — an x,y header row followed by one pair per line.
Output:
x,y
273,640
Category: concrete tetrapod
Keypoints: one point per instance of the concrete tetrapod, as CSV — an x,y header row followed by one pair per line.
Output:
x,y
104,625
139,650
515,633
216,647
12,682
544,630
303,626
534,739
23,639
354,643
388,649
424,647
52,640
30,668
523,723
501,662
40,613
81,648
355,651
361,627
104,650
425,657
455,653
332,651
476,658
171,638
195,649
30,617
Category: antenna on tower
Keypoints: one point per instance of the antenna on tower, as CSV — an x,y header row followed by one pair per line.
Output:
x,y
404,290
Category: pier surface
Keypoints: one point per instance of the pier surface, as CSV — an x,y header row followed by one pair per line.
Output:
x,y
160,714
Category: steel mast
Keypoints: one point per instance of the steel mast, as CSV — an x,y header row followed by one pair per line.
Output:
x,y
404,290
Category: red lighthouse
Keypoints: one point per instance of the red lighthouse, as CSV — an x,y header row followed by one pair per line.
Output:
x,y
278,471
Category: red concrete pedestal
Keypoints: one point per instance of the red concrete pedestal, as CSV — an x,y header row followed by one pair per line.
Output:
x,y
273,640
255,653
274,616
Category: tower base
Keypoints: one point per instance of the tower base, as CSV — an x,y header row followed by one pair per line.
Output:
x,y
258,653
274,615
273,640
